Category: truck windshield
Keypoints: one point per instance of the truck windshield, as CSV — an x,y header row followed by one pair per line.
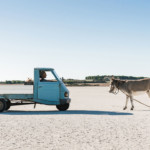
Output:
x,y
56,76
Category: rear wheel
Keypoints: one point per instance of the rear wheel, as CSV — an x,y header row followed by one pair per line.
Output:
x,y
8,104
2,105
62,107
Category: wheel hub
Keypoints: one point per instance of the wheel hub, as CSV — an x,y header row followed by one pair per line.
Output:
x,y
1,105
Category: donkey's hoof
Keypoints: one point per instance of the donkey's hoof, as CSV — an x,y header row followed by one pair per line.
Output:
x,y
132,108
124,108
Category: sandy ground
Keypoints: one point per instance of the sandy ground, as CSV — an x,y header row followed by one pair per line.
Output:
x,y
94,121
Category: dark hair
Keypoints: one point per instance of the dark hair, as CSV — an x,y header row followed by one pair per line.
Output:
x,y
41,73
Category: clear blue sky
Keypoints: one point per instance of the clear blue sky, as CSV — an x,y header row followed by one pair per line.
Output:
x,y
76,37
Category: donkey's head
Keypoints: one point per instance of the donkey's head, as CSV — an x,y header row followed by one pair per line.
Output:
x,y
115,84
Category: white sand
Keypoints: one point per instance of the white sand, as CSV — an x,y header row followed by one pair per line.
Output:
x,y
94,121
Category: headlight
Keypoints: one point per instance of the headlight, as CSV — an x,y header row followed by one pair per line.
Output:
x,y
66,94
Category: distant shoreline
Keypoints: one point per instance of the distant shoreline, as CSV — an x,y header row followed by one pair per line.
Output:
x,y
89,84
80,84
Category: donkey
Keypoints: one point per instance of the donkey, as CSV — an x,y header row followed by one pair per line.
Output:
x,y
130,88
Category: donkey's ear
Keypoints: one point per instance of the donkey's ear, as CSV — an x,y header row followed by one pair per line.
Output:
x,y
112,77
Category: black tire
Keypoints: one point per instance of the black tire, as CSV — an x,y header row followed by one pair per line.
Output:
x,y
2,105
62,107
8,104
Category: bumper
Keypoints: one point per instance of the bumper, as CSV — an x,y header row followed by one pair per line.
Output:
x,y
64,101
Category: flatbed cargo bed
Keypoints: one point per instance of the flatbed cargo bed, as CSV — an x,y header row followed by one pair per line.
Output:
x,y
17,96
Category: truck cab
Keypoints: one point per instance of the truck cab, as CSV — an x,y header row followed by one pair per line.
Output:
x,y
51,90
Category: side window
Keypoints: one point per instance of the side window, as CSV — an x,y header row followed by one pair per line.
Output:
x,y
47,76
50,76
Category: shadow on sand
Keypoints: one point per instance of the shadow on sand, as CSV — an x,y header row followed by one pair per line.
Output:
x,y
69,112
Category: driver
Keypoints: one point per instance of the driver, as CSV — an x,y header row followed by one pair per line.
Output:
x,y
43,76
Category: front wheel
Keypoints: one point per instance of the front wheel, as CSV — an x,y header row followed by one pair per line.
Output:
x,y
62,107
2,105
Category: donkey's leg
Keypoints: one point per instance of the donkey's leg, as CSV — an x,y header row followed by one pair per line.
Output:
x,y
131,99
148,93
127,99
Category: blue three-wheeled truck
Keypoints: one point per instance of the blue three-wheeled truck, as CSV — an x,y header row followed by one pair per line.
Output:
x,y
48,92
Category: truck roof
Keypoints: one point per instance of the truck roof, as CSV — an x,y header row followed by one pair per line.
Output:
x,y
46,69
